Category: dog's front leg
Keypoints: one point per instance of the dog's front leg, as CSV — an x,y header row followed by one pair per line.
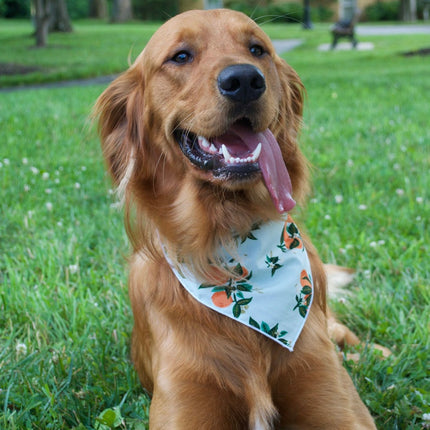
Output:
x,y
188,405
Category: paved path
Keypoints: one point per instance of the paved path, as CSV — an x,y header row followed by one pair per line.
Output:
x,y
347,46
282,46
389,30
377,30
62,84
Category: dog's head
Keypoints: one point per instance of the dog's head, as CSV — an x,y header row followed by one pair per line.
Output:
x,y
200,132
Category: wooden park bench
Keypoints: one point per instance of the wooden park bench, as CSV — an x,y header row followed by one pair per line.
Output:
x,y
345,28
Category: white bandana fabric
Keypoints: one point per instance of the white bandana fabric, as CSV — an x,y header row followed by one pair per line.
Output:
x,y
273,290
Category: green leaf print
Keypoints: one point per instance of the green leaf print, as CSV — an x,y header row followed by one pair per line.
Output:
x,y
244,287
303,311
306,290
254,323
292,229
273,264
236,310
250,235
244,302
265,327
272,332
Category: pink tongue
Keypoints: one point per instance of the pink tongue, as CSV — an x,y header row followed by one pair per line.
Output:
x,y
275,172
271,163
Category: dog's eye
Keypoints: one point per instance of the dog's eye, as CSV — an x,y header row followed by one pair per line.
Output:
x,y
257,50
182,57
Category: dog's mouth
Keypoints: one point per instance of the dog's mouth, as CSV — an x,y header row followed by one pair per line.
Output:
x,y
241,154
230,156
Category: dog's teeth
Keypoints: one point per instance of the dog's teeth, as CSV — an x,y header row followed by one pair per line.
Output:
x,y
256,153
237,160
203,142
226,154
207,146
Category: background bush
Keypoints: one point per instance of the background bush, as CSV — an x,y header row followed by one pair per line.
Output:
x,y
161,10
78,8
14,8
21,8
155,9
320,13
282,12
382,11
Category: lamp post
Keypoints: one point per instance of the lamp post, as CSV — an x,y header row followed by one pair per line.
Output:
x,y
307,24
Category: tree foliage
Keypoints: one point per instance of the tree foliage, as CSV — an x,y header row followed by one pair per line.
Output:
x,y
14,8
155,9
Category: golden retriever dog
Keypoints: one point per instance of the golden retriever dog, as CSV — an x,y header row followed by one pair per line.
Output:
x,y
200,137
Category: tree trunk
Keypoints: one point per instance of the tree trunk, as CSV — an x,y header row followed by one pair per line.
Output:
x,y
98,9
408,10
121,11
42,16
60,20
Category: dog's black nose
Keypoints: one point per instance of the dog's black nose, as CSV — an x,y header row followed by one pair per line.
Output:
x,y
241,83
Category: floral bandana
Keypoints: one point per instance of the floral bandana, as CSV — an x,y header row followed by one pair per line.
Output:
x,y
272,292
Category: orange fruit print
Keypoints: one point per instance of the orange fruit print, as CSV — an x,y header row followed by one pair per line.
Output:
x,y
241,272
232,290
304,279
220,299
290,238
303,300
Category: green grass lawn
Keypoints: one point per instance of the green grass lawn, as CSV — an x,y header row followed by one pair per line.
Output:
x,y
93,49
65,319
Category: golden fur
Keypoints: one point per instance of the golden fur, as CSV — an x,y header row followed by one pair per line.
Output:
x,y
206,371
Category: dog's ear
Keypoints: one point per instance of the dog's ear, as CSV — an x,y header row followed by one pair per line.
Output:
x,y
292,98
119,113
288,126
